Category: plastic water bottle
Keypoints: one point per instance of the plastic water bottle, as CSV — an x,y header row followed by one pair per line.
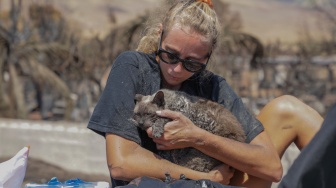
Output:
x,y
72,183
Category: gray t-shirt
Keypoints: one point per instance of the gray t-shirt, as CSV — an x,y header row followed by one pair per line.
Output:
x,y
136,72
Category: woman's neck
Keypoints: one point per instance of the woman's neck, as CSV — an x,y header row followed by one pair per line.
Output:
x,y
167,86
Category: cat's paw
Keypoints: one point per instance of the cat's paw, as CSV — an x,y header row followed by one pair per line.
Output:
x,y
157,134
158,129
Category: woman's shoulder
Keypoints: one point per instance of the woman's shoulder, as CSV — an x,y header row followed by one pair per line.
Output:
x,y
208,77
134,57
135,54
218,85
206,84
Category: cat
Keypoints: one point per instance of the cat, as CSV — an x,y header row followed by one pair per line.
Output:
x,y
204,113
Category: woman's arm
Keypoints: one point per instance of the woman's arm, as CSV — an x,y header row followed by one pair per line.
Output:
x,y
258,158
127,160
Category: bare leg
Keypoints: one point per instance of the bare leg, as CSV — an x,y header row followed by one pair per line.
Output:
x,y
286,119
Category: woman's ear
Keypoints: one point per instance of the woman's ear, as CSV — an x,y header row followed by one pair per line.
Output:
x,y
160,28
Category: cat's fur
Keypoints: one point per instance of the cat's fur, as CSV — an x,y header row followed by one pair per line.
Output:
x,y
204,113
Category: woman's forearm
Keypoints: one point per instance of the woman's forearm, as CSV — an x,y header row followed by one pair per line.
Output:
x,y
258,158
127,161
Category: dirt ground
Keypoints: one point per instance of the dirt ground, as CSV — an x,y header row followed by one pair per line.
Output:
x,y
41,172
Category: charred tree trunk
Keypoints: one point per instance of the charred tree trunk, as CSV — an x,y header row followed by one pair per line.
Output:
x,y
4,103
17,93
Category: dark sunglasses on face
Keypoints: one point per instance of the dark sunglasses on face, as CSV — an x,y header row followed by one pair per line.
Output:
x,y
189,65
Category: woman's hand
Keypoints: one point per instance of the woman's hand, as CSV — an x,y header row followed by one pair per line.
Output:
x,y
222,174
179,133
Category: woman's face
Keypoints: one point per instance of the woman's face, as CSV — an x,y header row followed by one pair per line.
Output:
x,y
185,44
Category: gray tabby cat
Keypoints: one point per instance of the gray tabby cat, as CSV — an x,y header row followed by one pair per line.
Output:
x,y
204,113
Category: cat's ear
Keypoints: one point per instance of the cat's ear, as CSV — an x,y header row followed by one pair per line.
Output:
x,y
159,99
137,98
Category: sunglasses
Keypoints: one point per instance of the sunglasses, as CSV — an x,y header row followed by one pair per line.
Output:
x,y
189,65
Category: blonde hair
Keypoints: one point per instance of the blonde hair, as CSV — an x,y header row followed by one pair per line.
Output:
x,y
193,14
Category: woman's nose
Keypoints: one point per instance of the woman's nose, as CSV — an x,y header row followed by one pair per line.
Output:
x,y
178,67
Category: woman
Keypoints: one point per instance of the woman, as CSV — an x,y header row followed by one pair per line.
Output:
x,y
177,53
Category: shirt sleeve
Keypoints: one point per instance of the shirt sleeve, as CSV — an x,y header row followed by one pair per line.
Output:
x,y
225,95
115,107
251,125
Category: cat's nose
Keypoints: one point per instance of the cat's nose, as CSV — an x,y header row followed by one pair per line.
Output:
x,y
141,123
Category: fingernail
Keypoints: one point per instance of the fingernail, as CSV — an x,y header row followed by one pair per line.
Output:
x,y
158,112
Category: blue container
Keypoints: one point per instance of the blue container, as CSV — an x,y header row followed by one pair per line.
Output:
x,y
72,183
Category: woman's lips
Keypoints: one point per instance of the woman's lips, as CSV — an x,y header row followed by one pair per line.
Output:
x,y
174,77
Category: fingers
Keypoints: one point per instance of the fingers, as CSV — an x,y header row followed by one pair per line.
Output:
x,y
160,143
150,132
231,171
168,114
225,173
161,147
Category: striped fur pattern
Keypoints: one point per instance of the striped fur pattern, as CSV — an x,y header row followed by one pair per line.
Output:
x,y
204,113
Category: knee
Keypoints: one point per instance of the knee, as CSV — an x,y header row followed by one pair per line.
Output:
x,y
286,105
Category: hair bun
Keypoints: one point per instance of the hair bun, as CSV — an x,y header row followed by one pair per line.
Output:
x,y
209,2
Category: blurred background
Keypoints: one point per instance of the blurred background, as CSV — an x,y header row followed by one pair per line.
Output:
x,y
55,55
